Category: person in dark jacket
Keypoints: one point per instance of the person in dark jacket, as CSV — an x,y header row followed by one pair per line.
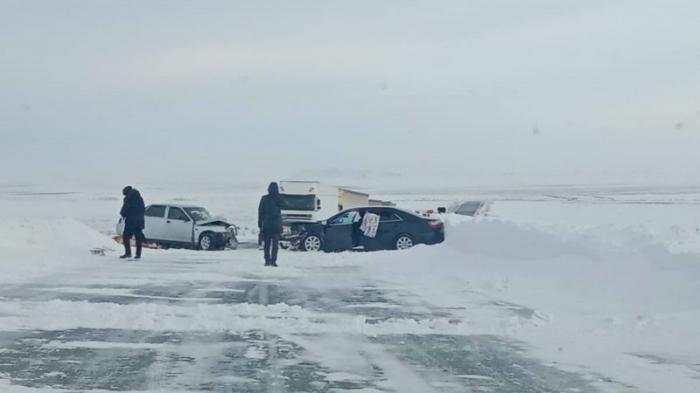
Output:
x,y
270,223
133,212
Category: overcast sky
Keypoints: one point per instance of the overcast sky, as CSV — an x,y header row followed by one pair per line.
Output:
x,y
537,91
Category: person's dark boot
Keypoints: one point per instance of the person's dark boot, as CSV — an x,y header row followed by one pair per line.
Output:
x,y
127,250
273,264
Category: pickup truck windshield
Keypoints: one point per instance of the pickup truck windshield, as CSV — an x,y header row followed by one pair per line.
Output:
x,y
198,213
297,202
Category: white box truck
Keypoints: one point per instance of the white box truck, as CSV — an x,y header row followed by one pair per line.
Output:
x,y
310,201
348,199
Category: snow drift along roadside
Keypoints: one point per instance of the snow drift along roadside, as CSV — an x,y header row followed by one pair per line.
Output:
x,y
602,302
34,247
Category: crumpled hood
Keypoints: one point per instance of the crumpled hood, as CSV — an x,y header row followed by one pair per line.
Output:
x,y
214,221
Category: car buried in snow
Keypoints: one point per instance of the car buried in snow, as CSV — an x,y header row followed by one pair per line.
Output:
x,y
186,226
396,230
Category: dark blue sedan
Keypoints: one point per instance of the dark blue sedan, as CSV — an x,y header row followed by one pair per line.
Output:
x,y
397,230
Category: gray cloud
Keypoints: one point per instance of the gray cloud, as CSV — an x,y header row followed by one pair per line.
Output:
x,y
190,88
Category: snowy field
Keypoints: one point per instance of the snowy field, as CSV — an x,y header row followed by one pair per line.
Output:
x,y
556,289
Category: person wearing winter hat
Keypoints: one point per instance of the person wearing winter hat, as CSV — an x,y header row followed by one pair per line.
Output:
x,y
270,223
133,212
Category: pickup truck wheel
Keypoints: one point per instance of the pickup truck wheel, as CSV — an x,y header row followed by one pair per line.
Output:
x,y
311,243
206,242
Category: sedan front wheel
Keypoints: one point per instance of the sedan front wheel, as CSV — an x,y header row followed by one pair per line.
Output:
x,y
312,243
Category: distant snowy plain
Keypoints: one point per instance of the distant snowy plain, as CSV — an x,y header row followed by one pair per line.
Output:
x,y
555,289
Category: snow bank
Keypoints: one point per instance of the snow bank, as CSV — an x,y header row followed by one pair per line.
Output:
x,y
35,247
667,220
604,301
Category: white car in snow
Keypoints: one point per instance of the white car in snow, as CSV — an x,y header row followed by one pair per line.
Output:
x,y
187,226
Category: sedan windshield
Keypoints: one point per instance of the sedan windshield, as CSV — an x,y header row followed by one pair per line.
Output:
x,y
198,213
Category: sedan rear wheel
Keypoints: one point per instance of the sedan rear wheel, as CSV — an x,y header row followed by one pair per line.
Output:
x,y
404,242
312,243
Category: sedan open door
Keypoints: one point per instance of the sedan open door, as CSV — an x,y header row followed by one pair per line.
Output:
x,y
338,231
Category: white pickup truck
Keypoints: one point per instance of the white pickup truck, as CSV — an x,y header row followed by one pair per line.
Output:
x,y
186,226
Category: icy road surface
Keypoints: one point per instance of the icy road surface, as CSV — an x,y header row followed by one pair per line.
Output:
x,y
185,321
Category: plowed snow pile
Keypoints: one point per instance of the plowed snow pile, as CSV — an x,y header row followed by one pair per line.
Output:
x,y
601,301
34,247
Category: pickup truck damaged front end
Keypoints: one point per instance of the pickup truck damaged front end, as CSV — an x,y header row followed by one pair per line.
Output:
x,y
224,235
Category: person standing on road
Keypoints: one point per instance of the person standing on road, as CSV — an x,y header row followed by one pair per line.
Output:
x,y
270,223
133,212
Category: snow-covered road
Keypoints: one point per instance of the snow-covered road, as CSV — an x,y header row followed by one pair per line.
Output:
x,y
581,291
189,321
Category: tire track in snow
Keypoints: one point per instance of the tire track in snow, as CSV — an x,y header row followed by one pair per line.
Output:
x,y
248,335
273,378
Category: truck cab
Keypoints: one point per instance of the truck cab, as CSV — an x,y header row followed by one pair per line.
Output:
x,y
299,200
